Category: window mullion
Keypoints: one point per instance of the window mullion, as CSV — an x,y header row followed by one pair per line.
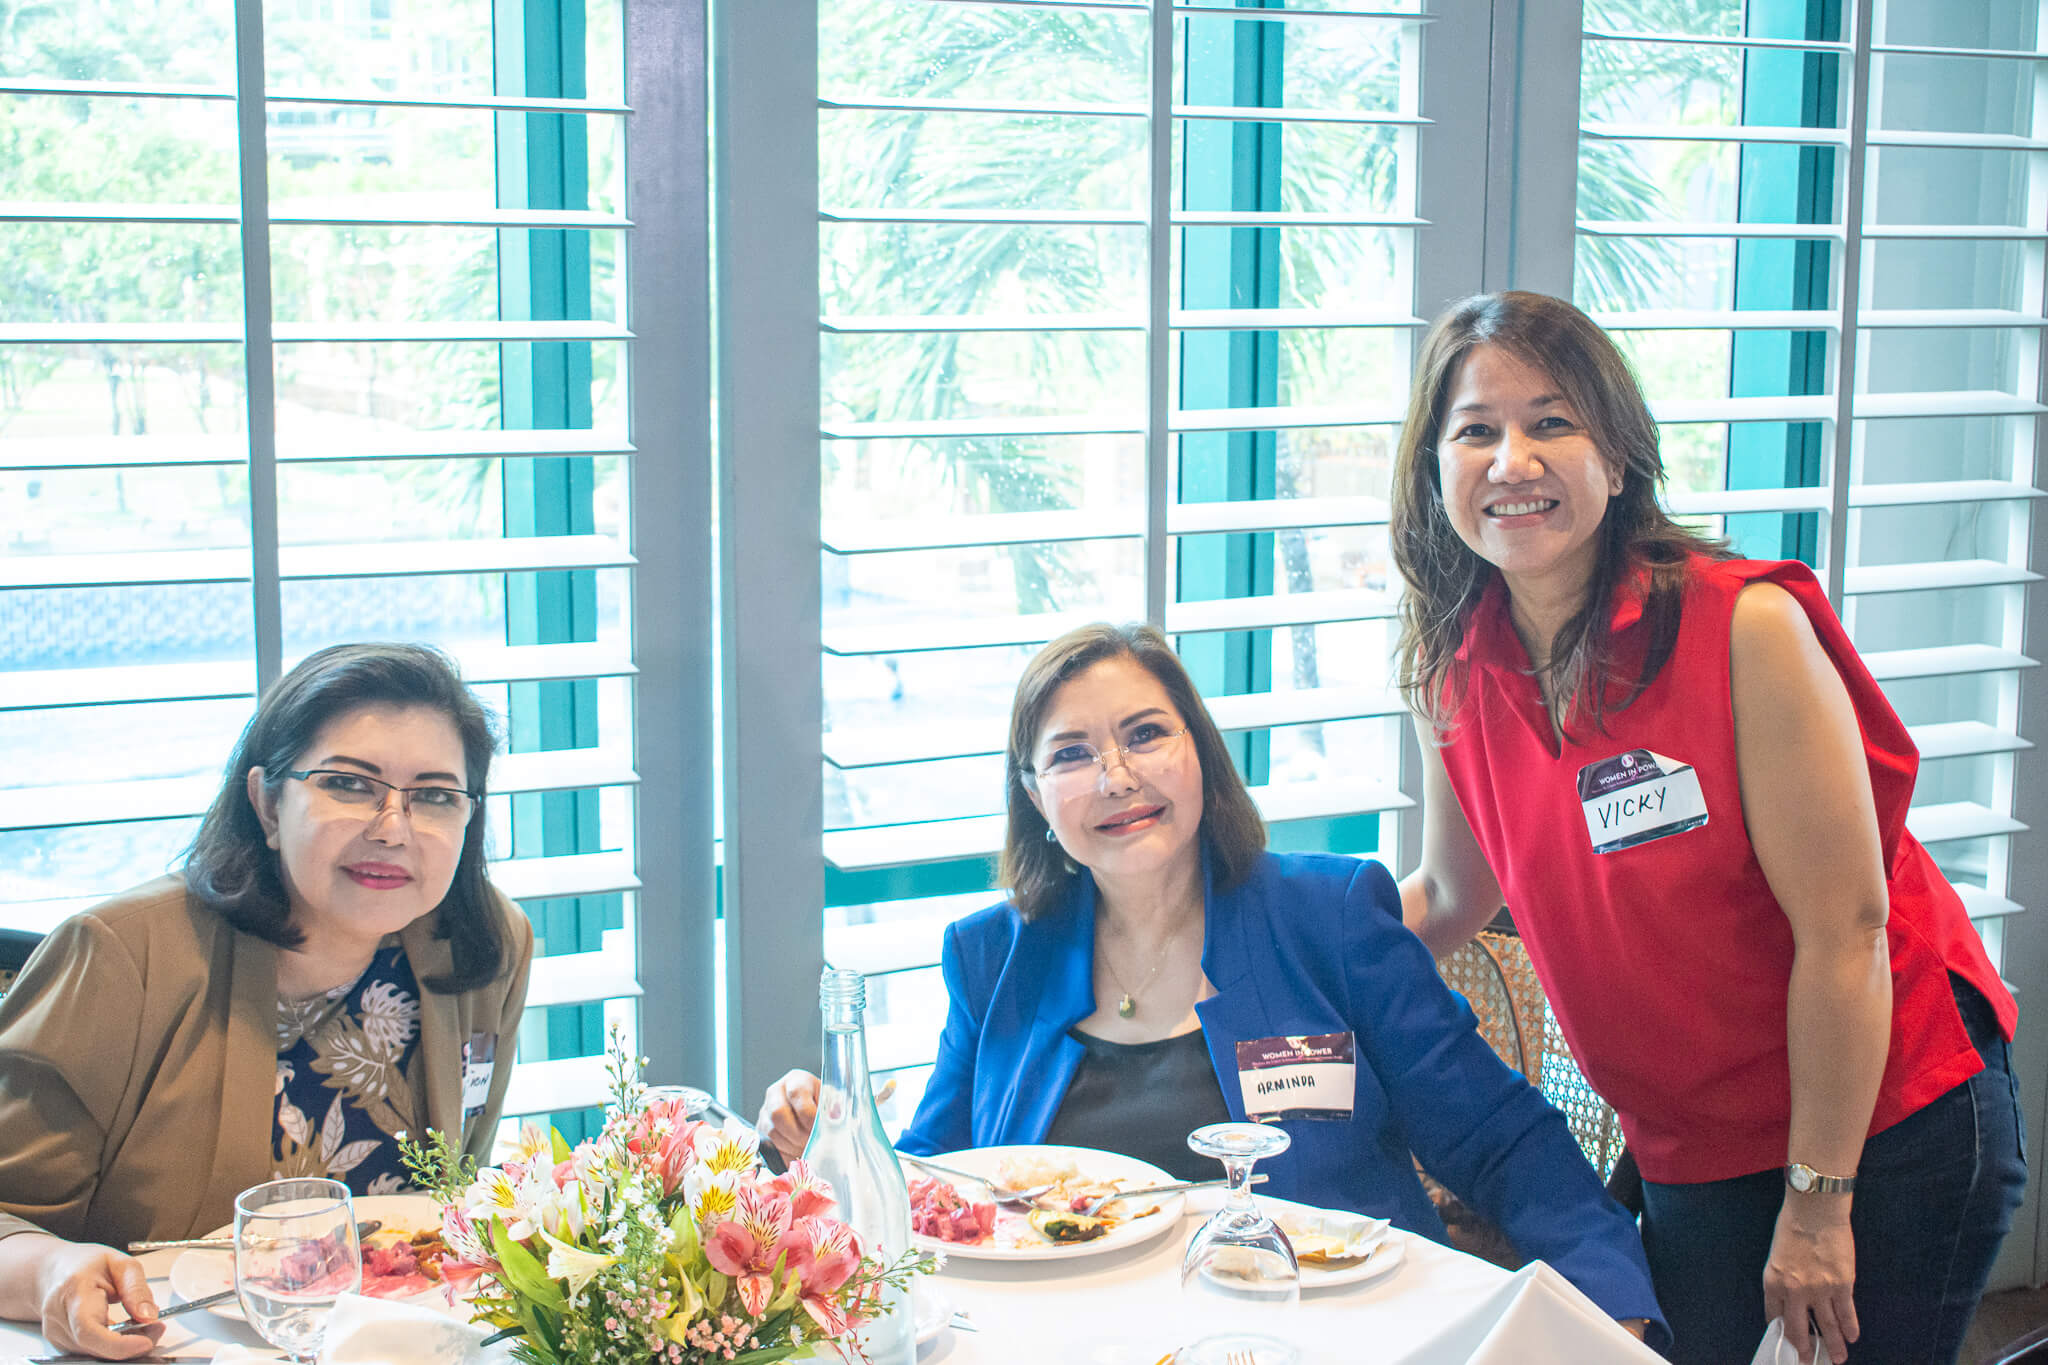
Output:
x,y
266,593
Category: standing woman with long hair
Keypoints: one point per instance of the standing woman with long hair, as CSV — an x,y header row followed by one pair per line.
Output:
x,y
1675,770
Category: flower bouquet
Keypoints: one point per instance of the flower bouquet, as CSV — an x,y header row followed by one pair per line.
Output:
x,y
661,1241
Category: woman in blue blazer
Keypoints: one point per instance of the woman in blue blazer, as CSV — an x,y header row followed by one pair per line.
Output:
x,y
1157,969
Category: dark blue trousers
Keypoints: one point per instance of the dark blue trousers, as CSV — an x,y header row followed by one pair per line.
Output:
x,y
1935,1194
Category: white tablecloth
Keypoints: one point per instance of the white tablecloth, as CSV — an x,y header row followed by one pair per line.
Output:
x,y
1125,1308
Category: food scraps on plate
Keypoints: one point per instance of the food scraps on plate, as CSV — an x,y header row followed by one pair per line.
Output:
x,y
941,1211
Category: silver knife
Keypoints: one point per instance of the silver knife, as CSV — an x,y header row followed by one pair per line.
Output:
x,y
363,1229
188,1306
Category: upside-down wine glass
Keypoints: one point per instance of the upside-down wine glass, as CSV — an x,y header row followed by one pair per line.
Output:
x,y
296,1252
1241,1262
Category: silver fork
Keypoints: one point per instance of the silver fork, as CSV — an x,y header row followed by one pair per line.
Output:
x,y
1001,1194
1100,1202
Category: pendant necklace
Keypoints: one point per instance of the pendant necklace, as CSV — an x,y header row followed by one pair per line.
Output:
x,y
1127,1002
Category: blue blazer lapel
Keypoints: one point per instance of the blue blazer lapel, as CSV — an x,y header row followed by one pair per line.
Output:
x,y
1058,951
1237,1011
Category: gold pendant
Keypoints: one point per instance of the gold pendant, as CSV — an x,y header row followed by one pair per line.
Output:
x,y
1126,1007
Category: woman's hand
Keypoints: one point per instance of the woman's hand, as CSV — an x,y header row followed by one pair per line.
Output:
x,y
73,1285
1812,1269
787,1112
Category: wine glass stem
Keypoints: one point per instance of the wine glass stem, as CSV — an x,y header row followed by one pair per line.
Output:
x,y
1238,1170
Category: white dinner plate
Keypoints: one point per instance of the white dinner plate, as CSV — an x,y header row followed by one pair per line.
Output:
x,y
1358,1230
196,1274
1093,1165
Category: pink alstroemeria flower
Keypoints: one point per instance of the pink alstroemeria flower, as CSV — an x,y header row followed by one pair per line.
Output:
x,y
809,1197
664,1137
745,1247
469,1257
823,1255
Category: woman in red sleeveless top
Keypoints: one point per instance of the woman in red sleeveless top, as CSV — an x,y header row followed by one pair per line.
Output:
x,y
1673,767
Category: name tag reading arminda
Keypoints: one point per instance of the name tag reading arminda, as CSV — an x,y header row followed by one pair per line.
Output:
x,y
1297,1076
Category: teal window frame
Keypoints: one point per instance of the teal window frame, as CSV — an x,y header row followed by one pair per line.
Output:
x,y
1784,184
544,275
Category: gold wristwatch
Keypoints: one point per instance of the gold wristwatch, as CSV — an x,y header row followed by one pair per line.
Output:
x,y
1806,1180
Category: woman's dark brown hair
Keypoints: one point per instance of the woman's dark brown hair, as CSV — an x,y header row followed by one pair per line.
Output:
x,y
1445,577
1037,871
233,871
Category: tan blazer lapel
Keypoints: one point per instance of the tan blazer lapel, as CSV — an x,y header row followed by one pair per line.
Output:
x,y
444,1028
242,1153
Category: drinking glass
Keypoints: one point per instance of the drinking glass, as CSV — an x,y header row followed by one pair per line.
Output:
x,y
695,1101
295,1254
1241,1263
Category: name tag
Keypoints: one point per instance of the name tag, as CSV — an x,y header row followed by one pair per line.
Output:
x,y
479,1064
1298,1077
1638,796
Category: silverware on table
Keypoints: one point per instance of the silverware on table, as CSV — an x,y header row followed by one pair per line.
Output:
x,y
363,1229
188,1306
1000,1193
960,1322
1095,1206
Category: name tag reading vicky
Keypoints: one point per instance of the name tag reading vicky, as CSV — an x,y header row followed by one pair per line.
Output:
x,y
1638,796
479,1063
1298,1076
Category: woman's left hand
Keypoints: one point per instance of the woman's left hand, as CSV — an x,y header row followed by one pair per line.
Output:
x,y
1812,1269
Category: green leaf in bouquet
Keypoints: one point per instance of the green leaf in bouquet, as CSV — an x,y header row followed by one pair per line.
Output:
x,y
764,1355
523,1270
562,1149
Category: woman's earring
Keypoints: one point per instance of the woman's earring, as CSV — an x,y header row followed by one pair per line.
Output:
x,y
1050,837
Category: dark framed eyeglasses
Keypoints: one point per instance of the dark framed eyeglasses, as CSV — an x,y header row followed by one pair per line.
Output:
x,y
440,807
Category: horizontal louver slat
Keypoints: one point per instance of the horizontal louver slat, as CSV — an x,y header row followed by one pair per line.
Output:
x,y
1959,573
956,428
860,850
539,663
1704,132
137,452
1719,319
561,770
1274,514
1722,502
555,1086
867,536
1287,417
1963,739
581,978
126,683
1958,820
878,746
1889,664
1979,903
1278,610
1961,490
373,560
566,874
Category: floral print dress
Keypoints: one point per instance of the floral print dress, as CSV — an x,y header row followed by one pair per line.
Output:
x,y
347,1078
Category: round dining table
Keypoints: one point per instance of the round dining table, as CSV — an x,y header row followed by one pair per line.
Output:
x,y
1125,1307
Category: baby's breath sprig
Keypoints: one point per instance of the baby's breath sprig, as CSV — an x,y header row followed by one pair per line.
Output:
x,y
438,1166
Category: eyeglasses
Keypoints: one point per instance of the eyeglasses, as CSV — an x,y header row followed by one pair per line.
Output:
x,y
1077,766
441,808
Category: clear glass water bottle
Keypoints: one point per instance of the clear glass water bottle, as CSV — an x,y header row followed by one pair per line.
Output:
x,y
849,1149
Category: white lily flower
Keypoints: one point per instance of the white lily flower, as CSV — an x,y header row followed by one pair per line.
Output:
x,y
573,1263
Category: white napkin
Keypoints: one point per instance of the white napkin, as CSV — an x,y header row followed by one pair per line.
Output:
x,y
366,1331
1536,1318
1775,1350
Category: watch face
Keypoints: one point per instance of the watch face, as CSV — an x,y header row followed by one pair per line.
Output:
x,y
1801,1178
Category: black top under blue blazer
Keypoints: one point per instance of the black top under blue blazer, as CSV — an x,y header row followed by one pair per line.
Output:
x,y
1306,944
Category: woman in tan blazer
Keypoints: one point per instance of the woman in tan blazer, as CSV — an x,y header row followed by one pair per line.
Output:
x,y
331,968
